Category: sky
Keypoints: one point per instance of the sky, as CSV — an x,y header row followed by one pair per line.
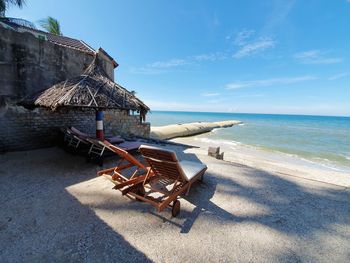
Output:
x,y
252,56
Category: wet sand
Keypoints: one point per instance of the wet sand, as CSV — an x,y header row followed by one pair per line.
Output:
x,y
276,162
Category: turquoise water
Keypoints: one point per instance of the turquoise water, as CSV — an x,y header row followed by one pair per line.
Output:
x,y
317,138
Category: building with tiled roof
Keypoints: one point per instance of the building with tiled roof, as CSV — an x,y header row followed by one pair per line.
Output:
x,y
33,61
55,39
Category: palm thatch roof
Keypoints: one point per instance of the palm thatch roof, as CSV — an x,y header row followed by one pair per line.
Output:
x,y
92,89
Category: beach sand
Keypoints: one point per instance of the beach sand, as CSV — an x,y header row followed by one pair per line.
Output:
x,y
54,208
275,162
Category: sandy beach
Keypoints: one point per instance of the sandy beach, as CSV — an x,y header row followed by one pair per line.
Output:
x,y
275,162
248,104
54,208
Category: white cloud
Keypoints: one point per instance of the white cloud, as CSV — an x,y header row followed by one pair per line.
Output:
x,y
280,11
210,57
210,94
161,66
145,71
243,40
254,47
221,101
268,82
164,66
243,36
172,105
169,64
316,57
340,75
326,61
307,54
250,96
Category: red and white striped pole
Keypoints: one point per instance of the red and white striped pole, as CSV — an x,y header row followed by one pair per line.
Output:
x,y
99,125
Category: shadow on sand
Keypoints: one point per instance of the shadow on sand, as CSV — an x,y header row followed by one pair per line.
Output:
x,y
294,208
41,221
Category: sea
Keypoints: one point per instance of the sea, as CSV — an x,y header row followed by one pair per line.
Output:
x,y
323,140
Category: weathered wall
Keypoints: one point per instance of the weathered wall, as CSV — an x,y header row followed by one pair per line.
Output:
x,y
29,65
23,129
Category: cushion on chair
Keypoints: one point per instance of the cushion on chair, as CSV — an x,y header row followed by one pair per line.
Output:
x,y
115,139
79,133
129,145
191,169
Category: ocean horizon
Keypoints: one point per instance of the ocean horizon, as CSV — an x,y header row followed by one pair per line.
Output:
x,y
323,140
255,113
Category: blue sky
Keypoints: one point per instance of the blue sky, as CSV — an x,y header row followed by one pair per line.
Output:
x,y
272,56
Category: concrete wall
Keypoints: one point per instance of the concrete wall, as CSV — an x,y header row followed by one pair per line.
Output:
x,y
23,129
29,65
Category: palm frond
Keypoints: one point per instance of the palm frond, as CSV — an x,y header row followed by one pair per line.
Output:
x,y
4,4
51,25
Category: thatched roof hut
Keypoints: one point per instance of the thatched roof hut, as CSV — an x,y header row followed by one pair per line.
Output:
x,y
92,89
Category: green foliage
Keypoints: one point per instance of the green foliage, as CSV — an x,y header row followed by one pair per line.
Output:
x,y
51,25
4,4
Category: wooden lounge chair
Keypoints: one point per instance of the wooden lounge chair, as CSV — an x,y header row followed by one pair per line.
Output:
x,y
85,136
165,181
75,138
98,148
74,142
128,169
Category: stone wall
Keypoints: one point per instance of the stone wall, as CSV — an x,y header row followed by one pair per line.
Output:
x,y
121,123
28,65
23,129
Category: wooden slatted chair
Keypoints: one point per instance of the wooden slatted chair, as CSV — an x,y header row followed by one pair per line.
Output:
x,y
100,149
74,139
166,180
127,164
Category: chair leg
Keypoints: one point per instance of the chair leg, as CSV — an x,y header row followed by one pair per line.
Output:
x,y
188,189
175,210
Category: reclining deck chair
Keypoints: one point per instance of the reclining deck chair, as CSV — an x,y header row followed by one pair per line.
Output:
x,y
127,164
74,138
166,179
98,148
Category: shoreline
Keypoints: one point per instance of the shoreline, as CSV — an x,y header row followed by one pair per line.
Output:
x,y
236,208
276,162
263,143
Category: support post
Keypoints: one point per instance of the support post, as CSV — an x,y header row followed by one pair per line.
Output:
x,y
99,125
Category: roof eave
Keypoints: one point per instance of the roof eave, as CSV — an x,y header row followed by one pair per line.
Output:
x,y
115,64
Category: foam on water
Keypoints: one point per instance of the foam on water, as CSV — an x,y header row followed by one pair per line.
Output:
x,y
313,162
219,142
316,139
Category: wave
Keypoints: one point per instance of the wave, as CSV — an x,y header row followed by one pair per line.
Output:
x,y
312,160
216,130
345,156
324,162
225,142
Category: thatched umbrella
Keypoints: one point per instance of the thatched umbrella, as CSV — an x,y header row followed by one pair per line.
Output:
x,y
92,89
